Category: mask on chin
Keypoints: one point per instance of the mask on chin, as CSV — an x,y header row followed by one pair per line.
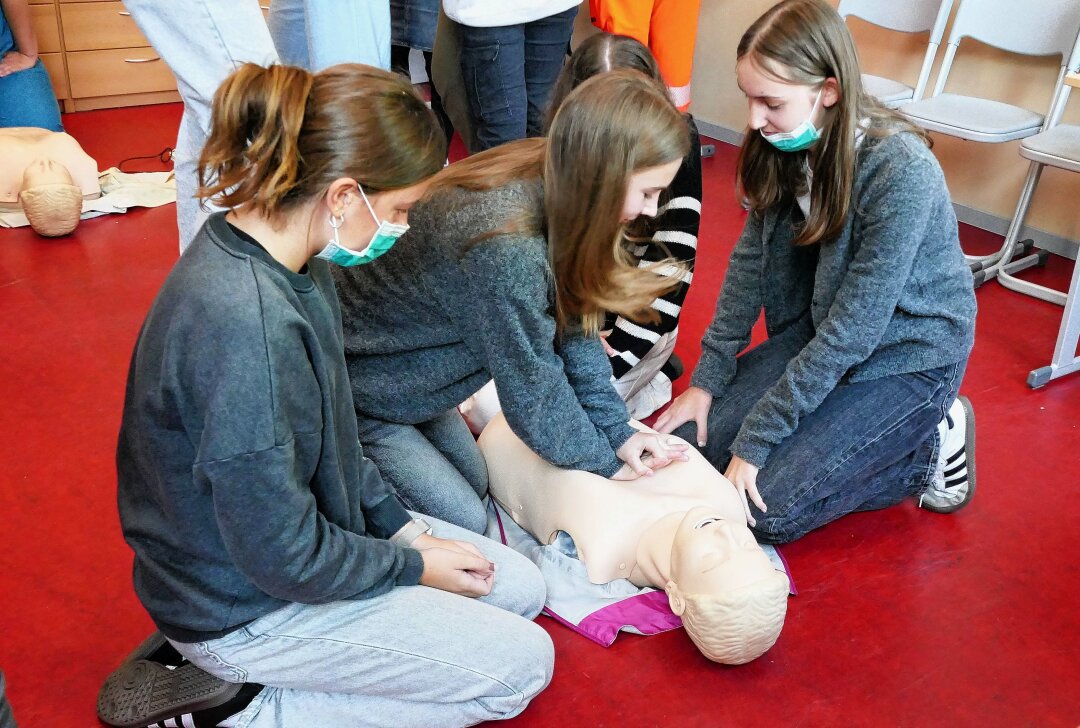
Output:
x,y
801,137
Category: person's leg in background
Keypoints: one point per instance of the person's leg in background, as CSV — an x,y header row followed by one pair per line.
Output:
x,y
447,80
7,720
546,42
415,656
672,34
348,31
444,476
413,24
493,70
27,99
288,28
202,41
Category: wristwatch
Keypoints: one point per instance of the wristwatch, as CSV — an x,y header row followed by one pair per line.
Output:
x,y
410,532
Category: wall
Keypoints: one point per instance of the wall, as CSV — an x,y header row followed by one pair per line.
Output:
x,y
985,179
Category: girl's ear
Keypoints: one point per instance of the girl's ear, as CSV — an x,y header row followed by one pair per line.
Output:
x,y
830,92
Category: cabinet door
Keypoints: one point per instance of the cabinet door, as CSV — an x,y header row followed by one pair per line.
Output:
x,y
99,26
116,72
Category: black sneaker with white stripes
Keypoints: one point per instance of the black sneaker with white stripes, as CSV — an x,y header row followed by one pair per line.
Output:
x,y
157,688
953,484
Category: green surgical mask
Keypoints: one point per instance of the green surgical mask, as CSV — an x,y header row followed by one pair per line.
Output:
x,y
799,138
383,239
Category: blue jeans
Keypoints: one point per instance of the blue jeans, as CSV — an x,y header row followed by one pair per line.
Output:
x,y
27,99
868,446
435,466
316,34
415,656
413,22
509,72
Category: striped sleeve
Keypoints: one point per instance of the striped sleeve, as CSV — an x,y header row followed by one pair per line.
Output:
x,y
674,234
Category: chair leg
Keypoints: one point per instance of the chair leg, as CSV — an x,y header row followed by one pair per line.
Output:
x,y
993,263
1065,359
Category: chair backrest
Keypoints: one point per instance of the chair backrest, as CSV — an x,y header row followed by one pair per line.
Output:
x,y
909,16
1025,27
1061,96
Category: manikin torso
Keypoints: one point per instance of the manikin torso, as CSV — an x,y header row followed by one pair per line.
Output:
x,y
621,529
21,146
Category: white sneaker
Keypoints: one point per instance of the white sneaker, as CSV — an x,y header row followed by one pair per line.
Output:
x,y
953,483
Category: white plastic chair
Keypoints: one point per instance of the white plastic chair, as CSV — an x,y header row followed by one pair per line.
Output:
x,y
1058,145
910,16
1030,27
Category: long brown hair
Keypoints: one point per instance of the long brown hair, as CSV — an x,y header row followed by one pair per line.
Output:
x,y
806,42
608,128
280,135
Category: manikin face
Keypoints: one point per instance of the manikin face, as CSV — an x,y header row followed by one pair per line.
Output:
x,y
45,172
713,555
644,190
778,106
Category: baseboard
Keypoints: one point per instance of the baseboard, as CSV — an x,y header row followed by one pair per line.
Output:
x,y
977,218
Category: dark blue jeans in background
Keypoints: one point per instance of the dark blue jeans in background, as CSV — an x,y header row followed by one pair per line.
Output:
x,y
508,73
869,445
26,99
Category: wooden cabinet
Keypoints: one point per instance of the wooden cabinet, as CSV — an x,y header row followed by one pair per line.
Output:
x,y
97,57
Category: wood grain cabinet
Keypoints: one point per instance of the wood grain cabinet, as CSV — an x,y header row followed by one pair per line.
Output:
x,y
97,57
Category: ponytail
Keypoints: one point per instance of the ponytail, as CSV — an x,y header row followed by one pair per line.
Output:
x,y
281,135
252,154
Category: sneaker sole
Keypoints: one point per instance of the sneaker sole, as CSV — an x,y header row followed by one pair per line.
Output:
x,y
969,458
141,692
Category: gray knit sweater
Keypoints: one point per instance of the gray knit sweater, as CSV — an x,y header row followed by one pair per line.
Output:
x,y
891,294
427,324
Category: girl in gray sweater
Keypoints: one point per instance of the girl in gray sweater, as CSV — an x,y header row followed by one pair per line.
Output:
x,y
509,266
851,250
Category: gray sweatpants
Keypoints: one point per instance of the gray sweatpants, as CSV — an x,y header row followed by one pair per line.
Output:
x,y
415,656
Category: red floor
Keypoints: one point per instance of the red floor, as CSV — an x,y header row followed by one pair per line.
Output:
x,y
904,617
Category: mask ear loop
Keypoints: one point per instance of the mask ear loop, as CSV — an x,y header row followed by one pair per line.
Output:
x,y
336,221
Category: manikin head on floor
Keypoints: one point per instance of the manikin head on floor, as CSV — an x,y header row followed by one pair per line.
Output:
x,y
681,530
48,175
50,198
731,599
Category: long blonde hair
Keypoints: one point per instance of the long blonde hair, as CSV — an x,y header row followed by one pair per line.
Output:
x,y
608,128
280,135
806,42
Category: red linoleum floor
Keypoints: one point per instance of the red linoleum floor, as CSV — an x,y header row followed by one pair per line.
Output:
x,y
904,617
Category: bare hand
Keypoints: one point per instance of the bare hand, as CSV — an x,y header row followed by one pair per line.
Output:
x,y
452,570
662,451
13,62
693,404
608,348
744,476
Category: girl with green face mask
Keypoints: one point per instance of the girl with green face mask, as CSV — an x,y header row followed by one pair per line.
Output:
x,y
262,535
851,249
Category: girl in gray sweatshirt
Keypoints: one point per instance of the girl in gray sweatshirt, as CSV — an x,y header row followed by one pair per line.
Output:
x,y
851,250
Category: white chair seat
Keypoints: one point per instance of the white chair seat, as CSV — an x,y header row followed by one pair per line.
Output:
x,y
968,117
886,90
1057,147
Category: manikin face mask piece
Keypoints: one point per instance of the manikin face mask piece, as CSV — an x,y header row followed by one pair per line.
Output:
x,y
381,241
799,138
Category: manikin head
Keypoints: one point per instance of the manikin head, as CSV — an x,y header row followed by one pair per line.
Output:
x,y
50,198
731,599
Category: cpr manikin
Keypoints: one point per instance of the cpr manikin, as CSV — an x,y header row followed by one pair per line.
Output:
x,y
682,530
47,174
